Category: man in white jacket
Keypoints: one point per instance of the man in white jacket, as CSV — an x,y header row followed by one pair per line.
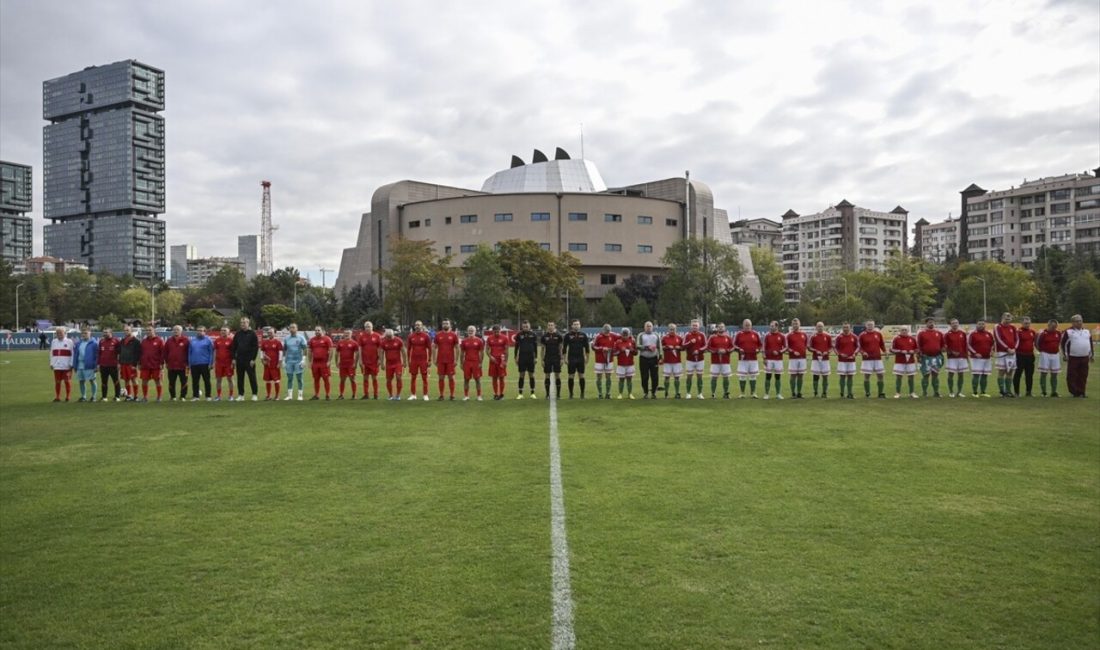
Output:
x,y
61,361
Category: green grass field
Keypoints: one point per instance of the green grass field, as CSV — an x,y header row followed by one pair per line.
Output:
x,y
840,524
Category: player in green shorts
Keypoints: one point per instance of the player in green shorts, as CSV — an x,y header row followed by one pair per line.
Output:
x,y
930,342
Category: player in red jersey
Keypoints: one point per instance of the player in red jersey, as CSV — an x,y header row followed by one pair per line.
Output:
x,y
930,343
1025,357
223,362
420,353
821,344
473,350
444,351
796,353
1049,341
129,354
980,345
320,362
393,353
625,351
775,344
748,345
603,345
152,359
904,348
271,355
871,347
347,362
695,345
720,345
498,345
108,362
1007,339
370,357
175,359
954,341
672,354
846,345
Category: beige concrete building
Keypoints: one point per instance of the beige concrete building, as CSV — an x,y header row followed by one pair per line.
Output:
x,y
201,269
1013,225
844,237
936,242
563,204
762,233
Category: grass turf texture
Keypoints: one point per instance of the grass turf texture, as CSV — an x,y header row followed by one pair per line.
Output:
x,y
863,523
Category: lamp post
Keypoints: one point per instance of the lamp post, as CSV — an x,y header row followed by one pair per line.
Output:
x,y
985,314
153,305
17,287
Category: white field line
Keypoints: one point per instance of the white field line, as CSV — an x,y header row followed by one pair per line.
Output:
x,y
562,635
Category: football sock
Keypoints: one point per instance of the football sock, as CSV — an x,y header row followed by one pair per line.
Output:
x,y
867,386
57,389
520,383
897,382
881,386
817,380
477,383
68,388
389,386
666,386
800,379
546,385
607,385
725,385
581,382
936,384
441,386
400,385
924,384
974,383
911,390
629,385
557,385
570,386
1043,382
450,385
676,385
752,386
767,382
1053,383
713,385
267,389
622,382
83,389
316,385
741,383
599,386
984,381
824,385
793,384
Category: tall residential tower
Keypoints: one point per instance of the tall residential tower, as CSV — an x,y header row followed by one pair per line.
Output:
x,y
16,236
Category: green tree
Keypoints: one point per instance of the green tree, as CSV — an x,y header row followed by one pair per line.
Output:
x,y
203,317
639,286
226,287
700,271
261,291
276,315
538,281
610,310
486,297
1007,289
109,320
417,281
1083,297
169,304
639,314
356,303
134,303
772,304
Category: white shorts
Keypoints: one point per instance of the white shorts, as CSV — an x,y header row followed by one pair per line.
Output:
x,y
603,368
1006,361
695,367
981,366
1049,362
624,371
957,365
748,368
796,366
870,366
773,366
905,369
673,369
720,369
821,367
845,368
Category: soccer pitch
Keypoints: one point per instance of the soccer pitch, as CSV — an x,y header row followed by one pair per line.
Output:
x,y
715,524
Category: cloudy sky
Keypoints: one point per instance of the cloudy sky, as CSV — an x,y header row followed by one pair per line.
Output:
x,y
774,105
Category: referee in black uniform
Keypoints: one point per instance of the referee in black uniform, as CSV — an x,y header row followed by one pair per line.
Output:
x,y
551,357
576,354
527,348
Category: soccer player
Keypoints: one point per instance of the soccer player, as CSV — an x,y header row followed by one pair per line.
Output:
x,y
152,359
930,344
1025,357
527,346
129,355
748,344
846,345
955,342
720,345
393,353
108,362
672,346
821,344
604,347
1050,364
980,346
498,344
61,362
347,362
796,351
320,362
473,350
176,349
86,360
295,346
871,347
904,348
419,354
245,345
1006,338
695,344
775,344
271,355
551,342
625,351
576,355
200,354
223,362
444,351
370,351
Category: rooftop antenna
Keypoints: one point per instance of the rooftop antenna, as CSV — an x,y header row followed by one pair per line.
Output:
x,y
267,230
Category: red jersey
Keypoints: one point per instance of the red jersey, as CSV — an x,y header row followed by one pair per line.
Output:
x,y
445,344
152,353
846,346
955,342
774,345
905,347
419,346
1048,341
871,345
1025,338
1006,337
270,350
748,345
498,345
392,349
796,344
346,349
604,346
319,348
625,351
108,352
369,348
672,346
471,350
696,344
175,352
980,343
720,347
821,345
930,342
223,354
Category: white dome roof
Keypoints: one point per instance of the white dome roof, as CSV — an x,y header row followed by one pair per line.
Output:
x,y
549,176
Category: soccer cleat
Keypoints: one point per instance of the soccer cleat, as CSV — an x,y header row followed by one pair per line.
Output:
x,y
412,398
741,396
314,398
217,399
677,396
725,395
520,396
426,398
534,396
340,397
452,398
897,395
480,399
466,399
327,398
365,396
754,396
57,399
631,396
913,396
289,396
254,398
82,399
1054,394
194,399
777,396
301,396
768,397
700,396
688,396
620,396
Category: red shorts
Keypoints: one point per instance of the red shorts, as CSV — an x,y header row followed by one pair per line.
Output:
x,y
498,369
418,366
319,370
150,373
59,375
272,372
223,370
370,369
472,371
394,370
127,372
445,368
347,371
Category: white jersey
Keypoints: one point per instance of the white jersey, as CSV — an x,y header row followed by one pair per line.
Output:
x,y
61,353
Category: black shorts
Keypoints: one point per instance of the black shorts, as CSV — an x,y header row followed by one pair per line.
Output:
x,y
526,364
575,366
551,366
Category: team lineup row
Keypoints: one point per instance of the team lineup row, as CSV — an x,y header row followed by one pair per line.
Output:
x,y
1008,349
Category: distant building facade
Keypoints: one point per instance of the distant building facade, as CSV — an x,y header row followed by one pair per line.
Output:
x,y
46,264
761,233
248,252
201,269
178,256
936,242
16,200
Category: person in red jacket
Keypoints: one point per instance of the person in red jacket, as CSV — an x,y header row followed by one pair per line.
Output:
x,y
904,348
695,344
1025,357
370,357
271,356
980,345
420,353
444,345
720,346
175,359
796,357
223,362
152,359
748,344
955,342
930,343
393,354
347,362
108,362
821,345
603,346
775,344
498,344
473,351
871,347
846,345
1006,338
672,354
1048,342
625,351
320,362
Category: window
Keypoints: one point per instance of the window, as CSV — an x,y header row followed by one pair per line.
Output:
x,y
578,216
446,250
502,216
467,248
1090,203
414,224
540,216
427,223
1025,214
1040,198
1025,200
996,215
578,247
613,248
645,248
1040,212
1061,221
468,218
999,203
613,218
1059,208
446,221
1086,191
545,245
607,278
672,222
645,221
1059,195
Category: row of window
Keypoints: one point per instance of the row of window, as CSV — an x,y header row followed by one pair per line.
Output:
x,y
574,247
643,220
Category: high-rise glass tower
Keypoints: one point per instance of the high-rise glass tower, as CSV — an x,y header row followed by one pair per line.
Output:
x,y
16,230
103,168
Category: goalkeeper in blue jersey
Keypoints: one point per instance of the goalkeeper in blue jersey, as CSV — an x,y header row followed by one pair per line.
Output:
x,y
294,361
